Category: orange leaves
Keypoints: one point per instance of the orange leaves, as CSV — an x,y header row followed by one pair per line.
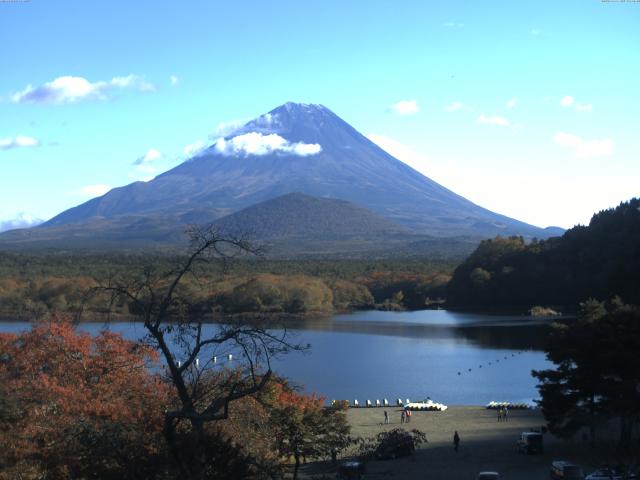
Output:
x,y
300,401
63,381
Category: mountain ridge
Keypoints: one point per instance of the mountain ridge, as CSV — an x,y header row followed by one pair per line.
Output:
x,y
293,225
303,148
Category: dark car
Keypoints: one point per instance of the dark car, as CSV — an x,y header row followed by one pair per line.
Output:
x,y
530,442
488,476
607,472
397,445
563,470
353,470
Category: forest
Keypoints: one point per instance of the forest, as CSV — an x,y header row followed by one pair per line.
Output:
x,y
34,285
503,274
600,261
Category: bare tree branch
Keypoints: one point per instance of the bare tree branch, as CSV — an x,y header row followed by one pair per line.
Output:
x,y
204,391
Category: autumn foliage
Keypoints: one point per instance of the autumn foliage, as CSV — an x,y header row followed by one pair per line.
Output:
x,y
303,428
77,406
73,406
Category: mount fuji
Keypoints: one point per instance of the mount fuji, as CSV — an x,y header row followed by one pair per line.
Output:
x,y
295,148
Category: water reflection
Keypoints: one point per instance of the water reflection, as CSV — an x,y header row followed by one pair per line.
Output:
x,y
454,358
485,331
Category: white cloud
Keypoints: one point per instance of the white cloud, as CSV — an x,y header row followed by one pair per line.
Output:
x,y
69,89
455,106
21,141
512,103
585,148
453,24
92,190
405,107
304,149
493,120
567,140
173,80
535,31
255,143
399,150
131,81
141,176
148,157
146,168
224,129
567,101
194,148
22,220
144,165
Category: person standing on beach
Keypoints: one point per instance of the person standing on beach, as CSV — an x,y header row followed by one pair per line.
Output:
x,y
505,414
402,417
456,441
386,417
408,415
499,414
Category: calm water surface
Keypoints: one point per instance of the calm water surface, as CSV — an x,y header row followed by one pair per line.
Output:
x,y
454,358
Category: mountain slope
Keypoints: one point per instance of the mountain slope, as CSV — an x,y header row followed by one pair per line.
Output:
x,y
299,148
299,215
290,226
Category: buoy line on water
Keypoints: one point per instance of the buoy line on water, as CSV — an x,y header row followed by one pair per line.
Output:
x,y
497,360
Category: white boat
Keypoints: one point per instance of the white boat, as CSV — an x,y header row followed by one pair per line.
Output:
x,y
428,405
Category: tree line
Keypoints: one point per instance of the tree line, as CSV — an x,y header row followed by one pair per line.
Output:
x,y
600,260
244,287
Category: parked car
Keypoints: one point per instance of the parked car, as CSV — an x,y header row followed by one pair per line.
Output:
x,y
563,470
488,476
394,446
530,442
352,470
611,473
604,473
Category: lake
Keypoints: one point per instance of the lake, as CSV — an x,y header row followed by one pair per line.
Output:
x,y
454,358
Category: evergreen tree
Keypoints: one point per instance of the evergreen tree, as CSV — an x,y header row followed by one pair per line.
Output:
x,y
597,374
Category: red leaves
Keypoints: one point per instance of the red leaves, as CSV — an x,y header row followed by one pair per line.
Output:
x,y
300,401
63,380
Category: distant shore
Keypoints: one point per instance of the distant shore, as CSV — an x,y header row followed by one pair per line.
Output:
x,y
220,317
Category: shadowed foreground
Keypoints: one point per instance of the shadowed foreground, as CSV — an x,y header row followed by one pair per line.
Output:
x,y
486,444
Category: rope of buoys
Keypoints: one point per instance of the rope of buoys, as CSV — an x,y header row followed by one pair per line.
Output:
x,y
497,360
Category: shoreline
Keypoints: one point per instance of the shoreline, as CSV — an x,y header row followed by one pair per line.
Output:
x,y
219,317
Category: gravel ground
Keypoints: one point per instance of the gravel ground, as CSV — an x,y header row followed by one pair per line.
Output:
x,y
486,444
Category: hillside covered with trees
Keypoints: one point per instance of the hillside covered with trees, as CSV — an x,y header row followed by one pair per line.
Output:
x,y
33,285
600,260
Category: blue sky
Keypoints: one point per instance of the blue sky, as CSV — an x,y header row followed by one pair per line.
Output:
x,y
529,109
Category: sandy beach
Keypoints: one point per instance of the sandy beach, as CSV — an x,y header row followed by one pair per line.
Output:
x,y
486,444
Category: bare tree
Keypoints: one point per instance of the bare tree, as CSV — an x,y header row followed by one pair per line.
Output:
x,y
209,365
